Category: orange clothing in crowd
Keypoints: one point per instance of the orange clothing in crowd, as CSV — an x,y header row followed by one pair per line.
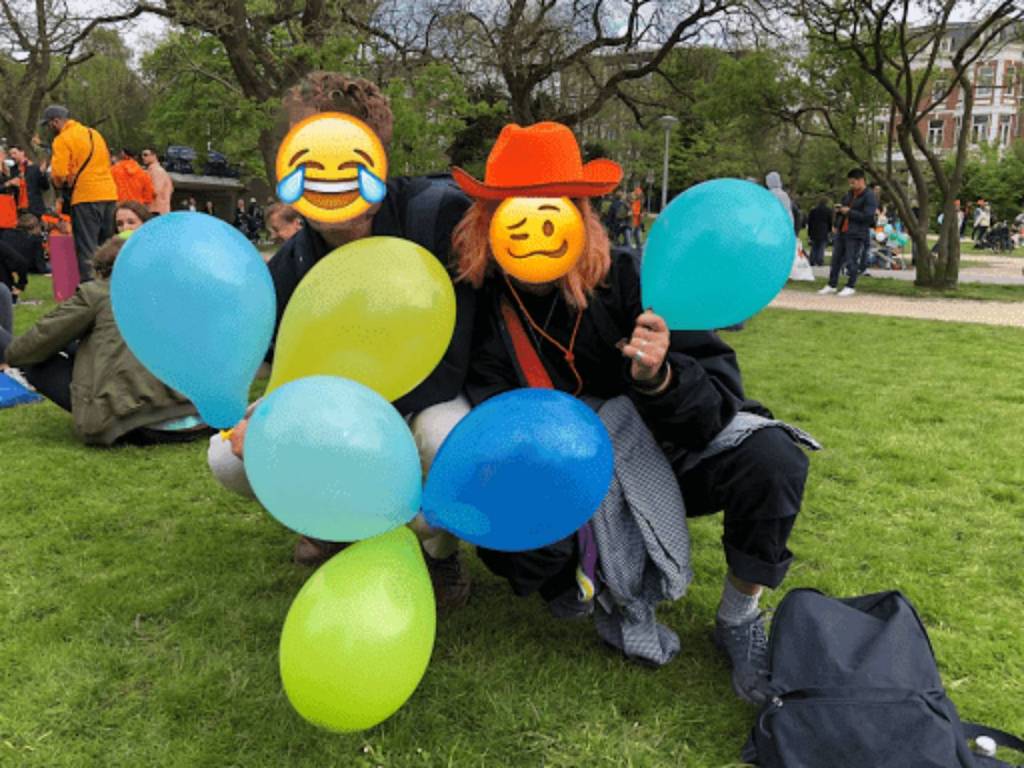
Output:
x,y
637,206
70,151
133,183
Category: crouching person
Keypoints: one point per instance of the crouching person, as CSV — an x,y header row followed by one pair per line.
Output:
x,y
551,291
425,211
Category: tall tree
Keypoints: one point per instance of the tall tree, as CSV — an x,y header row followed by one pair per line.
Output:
x,y
532,46
269,45
41,43
890,52
107,92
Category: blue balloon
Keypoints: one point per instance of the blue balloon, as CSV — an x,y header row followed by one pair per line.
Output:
x,y
332,459
716,255
521,471
195,303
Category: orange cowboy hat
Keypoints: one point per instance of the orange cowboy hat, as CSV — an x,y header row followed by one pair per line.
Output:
x,y
540,160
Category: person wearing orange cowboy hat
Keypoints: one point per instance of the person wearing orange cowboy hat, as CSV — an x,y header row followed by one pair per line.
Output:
x,y
558,307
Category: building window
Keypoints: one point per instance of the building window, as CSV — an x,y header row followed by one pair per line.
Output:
x,y
947,44
986,79
939,88
1010,84
936,128
1004,129
979,129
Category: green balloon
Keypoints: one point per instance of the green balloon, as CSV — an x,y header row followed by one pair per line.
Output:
x,y
357,639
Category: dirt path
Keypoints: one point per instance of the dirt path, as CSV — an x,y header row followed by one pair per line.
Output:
x,y
950,310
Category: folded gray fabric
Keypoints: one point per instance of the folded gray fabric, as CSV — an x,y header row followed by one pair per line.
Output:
x,y
643,543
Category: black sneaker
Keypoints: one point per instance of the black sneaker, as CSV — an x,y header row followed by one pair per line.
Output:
x,y
451,582
568,606
746,645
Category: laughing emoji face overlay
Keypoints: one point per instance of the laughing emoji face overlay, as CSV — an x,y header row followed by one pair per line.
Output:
x,y
537,239
331,167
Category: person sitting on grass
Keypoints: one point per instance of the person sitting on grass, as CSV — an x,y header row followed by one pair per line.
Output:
x,y
76,357
595,340
425,211
130,215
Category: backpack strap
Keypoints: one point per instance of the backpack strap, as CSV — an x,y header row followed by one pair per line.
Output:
x,y
1002,738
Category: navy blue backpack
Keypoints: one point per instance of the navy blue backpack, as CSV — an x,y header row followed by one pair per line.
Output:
x,y
854,685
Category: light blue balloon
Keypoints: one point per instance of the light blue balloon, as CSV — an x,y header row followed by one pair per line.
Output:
x,y
195,303
332,459
521,471
716,255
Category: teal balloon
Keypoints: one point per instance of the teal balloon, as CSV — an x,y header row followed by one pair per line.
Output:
x,y
195,303
332,459
716,255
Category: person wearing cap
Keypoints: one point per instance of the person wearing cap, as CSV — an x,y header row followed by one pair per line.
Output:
x,y
585,323
81,162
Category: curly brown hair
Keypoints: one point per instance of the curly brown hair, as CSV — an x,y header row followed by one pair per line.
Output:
x,y
322,91
105,256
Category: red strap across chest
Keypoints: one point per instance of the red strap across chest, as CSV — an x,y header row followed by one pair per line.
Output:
x,y
527,357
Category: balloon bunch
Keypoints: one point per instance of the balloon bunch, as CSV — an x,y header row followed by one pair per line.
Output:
x,y
326,453
329,456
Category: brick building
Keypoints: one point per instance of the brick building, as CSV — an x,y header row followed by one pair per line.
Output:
x,y
998,80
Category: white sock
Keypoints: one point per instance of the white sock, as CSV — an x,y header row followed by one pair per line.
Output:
x,y
736,607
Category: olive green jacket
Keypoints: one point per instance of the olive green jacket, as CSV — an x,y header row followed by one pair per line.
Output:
x,y
111,392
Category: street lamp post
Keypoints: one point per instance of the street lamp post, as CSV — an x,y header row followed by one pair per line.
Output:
x,y
667,121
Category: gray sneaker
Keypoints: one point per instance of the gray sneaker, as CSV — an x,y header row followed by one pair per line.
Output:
x,y
746,645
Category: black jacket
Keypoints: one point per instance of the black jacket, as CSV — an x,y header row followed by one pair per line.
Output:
x,y
13,263
424,210
29,247
35,183
861,215
706,390
819,222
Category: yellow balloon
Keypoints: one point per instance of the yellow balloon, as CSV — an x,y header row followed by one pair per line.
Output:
x,y
380,311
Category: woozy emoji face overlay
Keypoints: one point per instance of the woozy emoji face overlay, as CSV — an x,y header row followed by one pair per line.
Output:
x,y
331,167
537,239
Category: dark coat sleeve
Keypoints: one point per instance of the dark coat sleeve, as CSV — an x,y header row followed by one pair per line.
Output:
x,y
706,389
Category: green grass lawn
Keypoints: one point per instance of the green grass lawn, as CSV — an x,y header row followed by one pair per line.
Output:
x,y
142,605
890,287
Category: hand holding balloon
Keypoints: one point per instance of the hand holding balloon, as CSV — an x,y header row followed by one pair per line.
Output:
x,y
648,346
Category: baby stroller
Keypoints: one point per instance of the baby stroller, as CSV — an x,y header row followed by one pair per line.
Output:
x,y
996,239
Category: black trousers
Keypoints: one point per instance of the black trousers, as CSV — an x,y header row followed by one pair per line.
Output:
x,y
759,486
52,379
846,251
92,224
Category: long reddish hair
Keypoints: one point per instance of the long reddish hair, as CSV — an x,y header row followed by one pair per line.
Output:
x,y
472,247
